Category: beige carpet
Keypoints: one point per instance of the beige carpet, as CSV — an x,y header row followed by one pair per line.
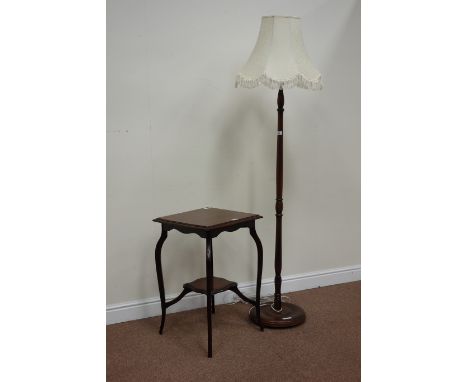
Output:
x,y
325,348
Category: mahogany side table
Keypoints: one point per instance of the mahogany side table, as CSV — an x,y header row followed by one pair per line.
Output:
x,y
208,223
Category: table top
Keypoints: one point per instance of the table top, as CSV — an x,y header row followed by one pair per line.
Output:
x,y
207,218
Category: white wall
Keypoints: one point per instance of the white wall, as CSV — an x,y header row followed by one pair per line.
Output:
x,y
180,137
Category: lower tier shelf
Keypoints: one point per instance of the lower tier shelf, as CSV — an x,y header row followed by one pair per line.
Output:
x,y
219,285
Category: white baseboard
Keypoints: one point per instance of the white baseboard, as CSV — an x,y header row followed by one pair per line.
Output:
x,y
135,310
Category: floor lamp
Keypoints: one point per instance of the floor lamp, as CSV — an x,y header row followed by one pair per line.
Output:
x,y
279,60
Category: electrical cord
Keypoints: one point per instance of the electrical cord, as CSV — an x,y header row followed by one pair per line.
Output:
x,y
263,300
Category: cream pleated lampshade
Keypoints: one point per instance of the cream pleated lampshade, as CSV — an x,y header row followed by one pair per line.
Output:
x,y
279,59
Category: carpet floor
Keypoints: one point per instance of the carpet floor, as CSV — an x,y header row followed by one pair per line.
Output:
x,y
325,348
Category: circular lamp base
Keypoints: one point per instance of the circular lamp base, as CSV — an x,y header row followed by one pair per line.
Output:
x,y
290,315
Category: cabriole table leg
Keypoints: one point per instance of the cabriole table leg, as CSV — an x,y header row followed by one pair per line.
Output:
x,y
157,259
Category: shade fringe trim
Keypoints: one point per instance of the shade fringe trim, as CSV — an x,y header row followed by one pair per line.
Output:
x,y
298,81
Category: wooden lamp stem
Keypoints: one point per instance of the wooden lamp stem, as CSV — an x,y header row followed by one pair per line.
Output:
x,y
279,202
279,314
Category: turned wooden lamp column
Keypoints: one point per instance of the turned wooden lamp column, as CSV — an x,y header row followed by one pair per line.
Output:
x,y
279,60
